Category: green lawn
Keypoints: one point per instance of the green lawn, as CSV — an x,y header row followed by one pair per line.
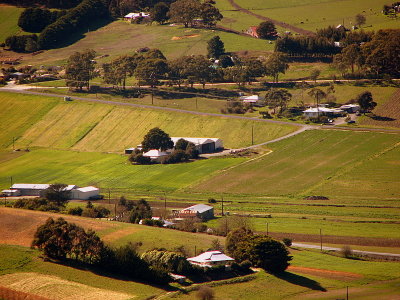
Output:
x,y
315,14
329,163
9,21
38,121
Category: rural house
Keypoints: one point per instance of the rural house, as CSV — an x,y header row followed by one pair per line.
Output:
x,y
201,211
33,189
255,100
252,31
155,155
134,16
203,145
315,112
210,259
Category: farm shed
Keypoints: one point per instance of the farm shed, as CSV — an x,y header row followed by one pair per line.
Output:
x,y
350,108
202,211
155,155
210,259
203,145
10,193
253,99
252,31
85,193
134,16
29,189
314,112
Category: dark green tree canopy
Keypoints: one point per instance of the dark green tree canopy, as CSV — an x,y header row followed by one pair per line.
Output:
x,y
366,101
80,69
159,12
266,30
58,194
260,250
215,47
157,139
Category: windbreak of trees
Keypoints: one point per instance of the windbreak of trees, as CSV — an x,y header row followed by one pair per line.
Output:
x,y
45,3
64,241
36,19
306,46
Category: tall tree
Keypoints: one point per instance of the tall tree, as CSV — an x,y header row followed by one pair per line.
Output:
x,y
209,13
318,95
351,55
278,98
266,30
366,101
215,47
157,139
276,64
150,71
184,11
315,74
58,194
159,12
80,69
119,69
360,20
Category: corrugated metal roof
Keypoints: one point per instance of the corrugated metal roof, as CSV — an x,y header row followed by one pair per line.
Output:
x,y
210,256
196,141
199,208
87,189
29,186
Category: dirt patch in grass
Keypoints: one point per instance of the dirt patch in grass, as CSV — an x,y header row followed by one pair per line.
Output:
x,y
110,237
17,226
325,273
53,287
176,38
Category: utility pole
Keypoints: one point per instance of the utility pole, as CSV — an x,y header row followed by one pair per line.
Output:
x,y
222,204
195,251
252,134
13,143
11,181
320,237
196,102
152,97
115,210
109,196
267,230
165,202
347,293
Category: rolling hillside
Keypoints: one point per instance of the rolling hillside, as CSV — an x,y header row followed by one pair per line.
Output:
x,y
37,121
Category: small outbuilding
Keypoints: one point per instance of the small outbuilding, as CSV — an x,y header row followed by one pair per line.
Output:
x,y
85,193
351,108
155,155
201,211
136,15
10,193
210,259
203,145
255,100
252,31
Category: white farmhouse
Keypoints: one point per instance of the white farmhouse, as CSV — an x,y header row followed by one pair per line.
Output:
x,y
211,258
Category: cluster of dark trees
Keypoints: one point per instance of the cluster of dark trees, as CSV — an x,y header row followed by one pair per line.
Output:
x,y
55,27
267,30
55,198
323,43
64,241
160,140
376,57
132,211
391,9
90,211
35,19
262,251
44,3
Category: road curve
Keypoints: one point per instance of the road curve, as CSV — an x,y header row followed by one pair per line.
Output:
x,y
366,253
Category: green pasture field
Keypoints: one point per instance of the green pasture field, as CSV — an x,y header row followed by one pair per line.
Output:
x,y
316,14
9,21
106,170
328,163
120,37
37,121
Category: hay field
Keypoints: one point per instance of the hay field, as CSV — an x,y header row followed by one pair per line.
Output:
x,y
38,121
53,287
318,162
315,14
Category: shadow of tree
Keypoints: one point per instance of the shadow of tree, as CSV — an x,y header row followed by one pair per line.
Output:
x,y
381,118
301,280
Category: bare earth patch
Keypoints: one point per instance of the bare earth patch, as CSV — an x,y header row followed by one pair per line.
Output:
x,y
325,273
17,226
53,287
175,38
115,235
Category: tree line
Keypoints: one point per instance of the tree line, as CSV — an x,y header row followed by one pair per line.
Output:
x,y
44,3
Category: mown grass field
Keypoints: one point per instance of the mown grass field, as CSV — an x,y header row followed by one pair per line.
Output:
x,y
9,21
326,163
37,121
107,171
316,14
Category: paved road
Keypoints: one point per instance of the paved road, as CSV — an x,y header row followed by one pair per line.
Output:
x,y
366,253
